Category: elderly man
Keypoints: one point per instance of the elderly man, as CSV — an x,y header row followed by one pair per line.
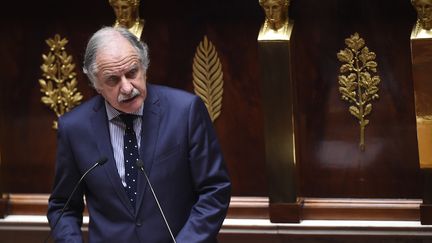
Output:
x,y
134,124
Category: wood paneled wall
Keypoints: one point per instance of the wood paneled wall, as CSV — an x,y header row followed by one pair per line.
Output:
x,y
173,30
329,161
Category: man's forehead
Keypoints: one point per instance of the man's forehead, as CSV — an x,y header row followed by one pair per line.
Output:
x,y
118,50
117,65
116,53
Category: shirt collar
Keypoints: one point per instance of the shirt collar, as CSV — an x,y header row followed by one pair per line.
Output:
x,y
113,112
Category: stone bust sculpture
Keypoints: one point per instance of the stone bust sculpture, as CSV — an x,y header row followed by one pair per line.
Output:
x,y
127,15
277,22
423,26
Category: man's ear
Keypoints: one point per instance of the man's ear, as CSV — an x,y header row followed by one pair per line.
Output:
x,y
99,90
95,86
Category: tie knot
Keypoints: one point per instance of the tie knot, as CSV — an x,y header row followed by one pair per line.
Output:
x,y
128,120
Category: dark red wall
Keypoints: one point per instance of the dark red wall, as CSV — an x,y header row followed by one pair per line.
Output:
x,y
330,164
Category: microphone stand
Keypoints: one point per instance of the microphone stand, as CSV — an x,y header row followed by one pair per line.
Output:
x,y
101,161
140,165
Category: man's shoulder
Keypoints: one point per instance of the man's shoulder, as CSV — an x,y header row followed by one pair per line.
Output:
x,y
166,90
174,101
85,109
173,96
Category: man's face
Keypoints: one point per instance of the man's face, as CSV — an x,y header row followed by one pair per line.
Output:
x,y
424,11
274,10
121,79
123,11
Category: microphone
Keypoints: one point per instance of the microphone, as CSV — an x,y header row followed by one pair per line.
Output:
x,y
100,161
140,165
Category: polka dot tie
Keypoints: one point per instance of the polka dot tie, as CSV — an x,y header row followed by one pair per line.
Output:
x,y
131,155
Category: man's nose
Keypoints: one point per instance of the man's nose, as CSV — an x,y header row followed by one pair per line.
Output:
x,y
125,86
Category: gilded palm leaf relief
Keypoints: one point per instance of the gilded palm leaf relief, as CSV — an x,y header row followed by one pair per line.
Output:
x,y
208,77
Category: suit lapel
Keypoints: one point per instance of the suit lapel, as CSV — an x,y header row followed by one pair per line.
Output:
x,y
149,136
100,126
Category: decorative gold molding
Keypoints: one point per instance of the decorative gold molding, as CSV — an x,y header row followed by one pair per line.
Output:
x,y
208,77
58,71
357,85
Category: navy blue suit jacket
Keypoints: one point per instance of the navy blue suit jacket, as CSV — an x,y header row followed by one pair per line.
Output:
x,y
181,155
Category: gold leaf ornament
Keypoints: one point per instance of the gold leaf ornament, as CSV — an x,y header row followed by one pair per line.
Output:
x,y
58,83
357,82
208,77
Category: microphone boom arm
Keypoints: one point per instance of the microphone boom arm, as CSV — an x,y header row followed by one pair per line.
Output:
x,y
139,163
101,161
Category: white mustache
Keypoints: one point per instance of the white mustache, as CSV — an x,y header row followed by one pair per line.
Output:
x,y
122,97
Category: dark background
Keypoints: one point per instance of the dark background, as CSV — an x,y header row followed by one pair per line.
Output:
x,y
329,161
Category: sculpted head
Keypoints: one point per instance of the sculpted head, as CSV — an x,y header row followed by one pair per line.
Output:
x,y
126,11
116,63
276,12
424,13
